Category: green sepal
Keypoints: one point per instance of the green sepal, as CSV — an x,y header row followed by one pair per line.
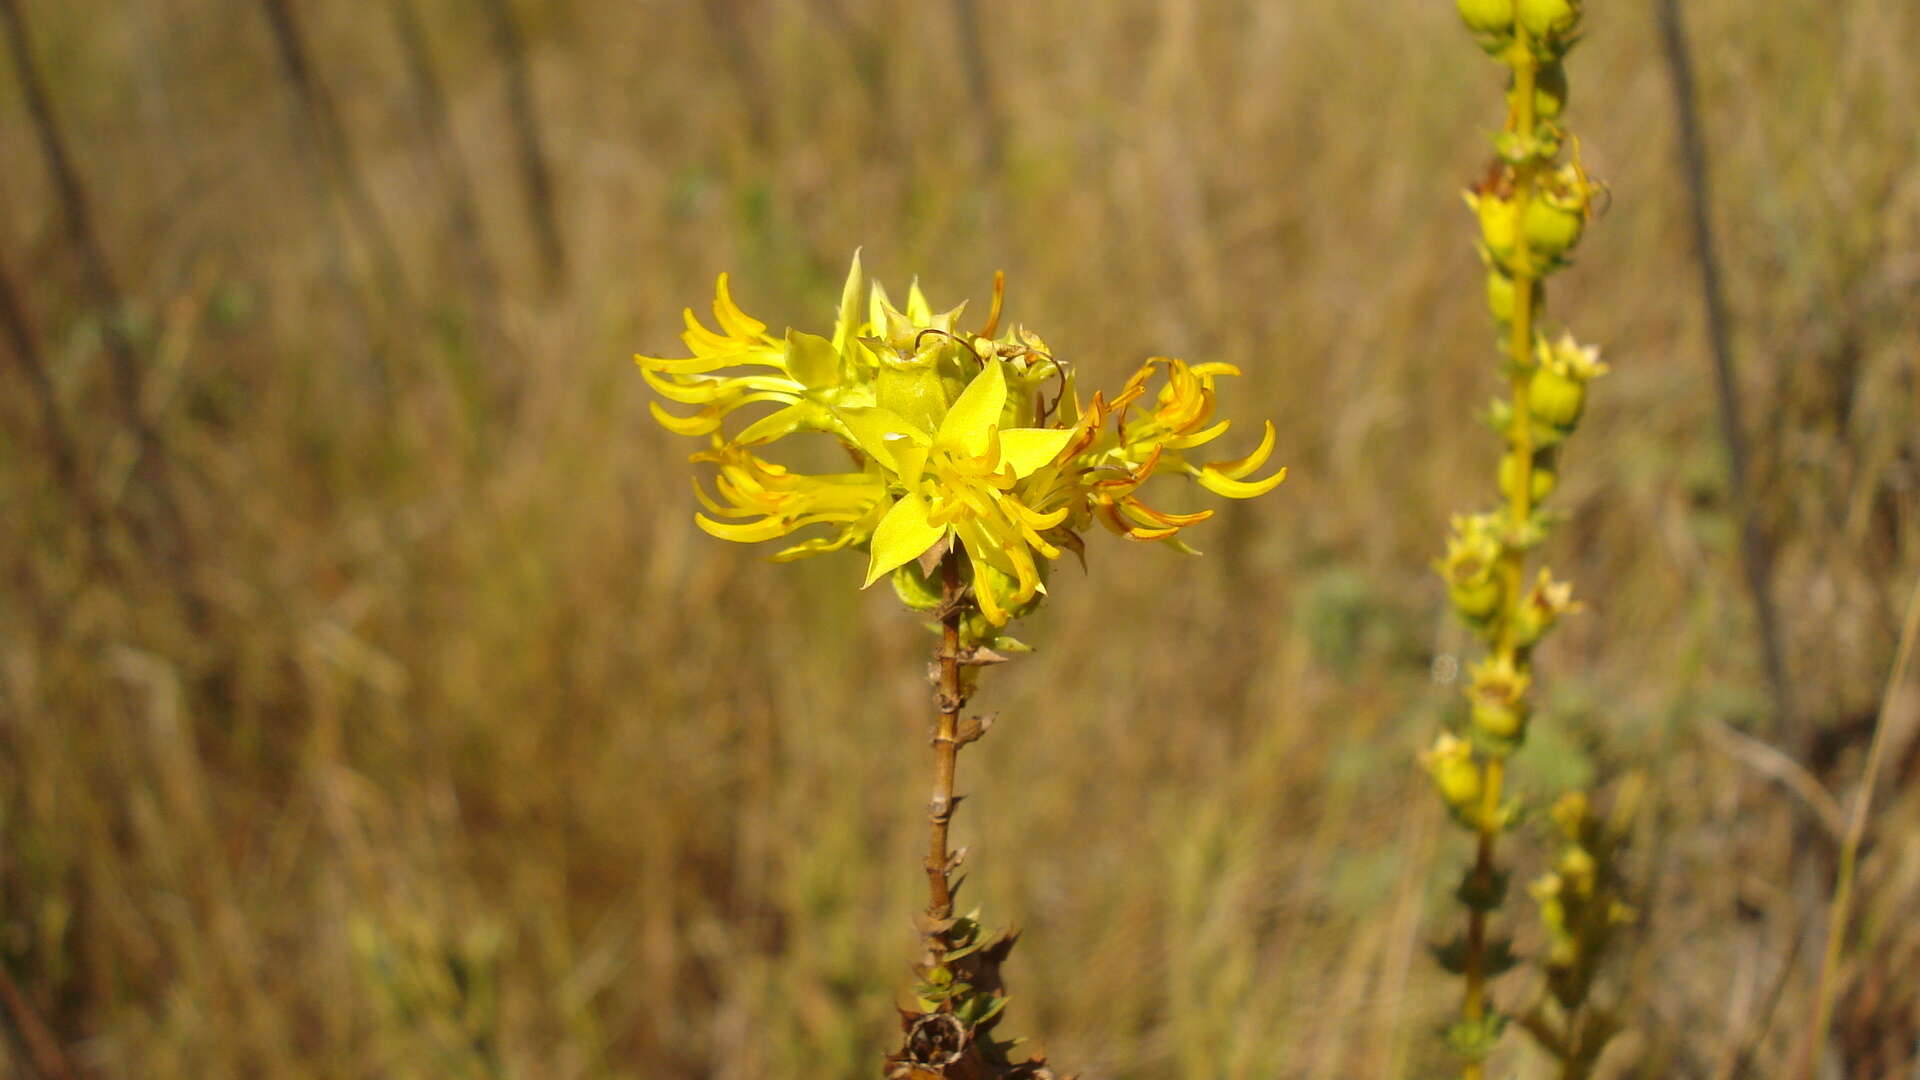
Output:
x,y
1498,746
1474,1040
1497,959
980,1009
1480,895
916,588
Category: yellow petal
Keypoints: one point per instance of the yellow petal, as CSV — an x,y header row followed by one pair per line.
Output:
x,y
848,325
1220,484
694,391
737,323
752,533
817,546
812,360
901,537
1199,438
912,460
877,308
880,433
918,309
775,425
1215,369
1038,520
700,423
983,590
702,340
1029,449
1235,470
975,411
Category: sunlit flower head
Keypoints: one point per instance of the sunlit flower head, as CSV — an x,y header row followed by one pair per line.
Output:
x,y
953,437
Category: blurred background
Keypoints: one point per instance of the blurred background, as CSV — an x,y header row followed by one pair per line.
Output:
x,y
371,707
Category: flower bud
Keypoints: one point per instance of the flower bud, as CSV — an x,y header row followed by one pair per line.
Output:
x,y
1542,477
1557,393
1477,601
1494,17
1562,947
1504,720
1499,222
1470,569
1500,293
1548,19
1569,814
1498,695
1553,227
1556,397
1541,609
1454,772
1557,214
1577,867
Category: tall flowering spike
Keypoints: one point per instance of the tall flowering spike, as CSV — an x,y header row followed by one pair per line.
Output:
x,y
956,438
1530,210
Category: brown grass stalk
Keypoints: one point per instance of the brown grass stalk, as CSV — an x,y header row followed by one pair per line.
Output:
x,y
170,543
62,448
1756,552
536,178
339,164
436,128
43,1052
980,87
1842,909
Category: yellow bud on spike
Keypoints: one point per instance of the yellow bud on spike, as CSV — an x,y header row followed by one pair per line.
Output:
x,y
1552,228
1548,19
1492,17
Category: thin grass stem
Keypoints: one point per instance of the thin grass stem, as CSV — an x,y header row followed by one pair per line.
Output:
x,y
1844,877
1756,553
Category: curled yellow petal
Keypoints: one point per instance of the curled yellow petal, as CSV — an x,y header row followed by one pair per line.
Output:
x,y
1238,469
1220,484
750,533
737,323
686,393
700,423
1199,438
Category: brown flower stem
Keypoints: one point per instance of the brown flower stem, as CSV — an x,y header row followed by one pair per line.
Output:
x,y
946,750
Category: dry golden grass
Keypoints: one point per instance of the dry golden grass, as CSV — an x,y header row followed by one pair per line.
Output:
x,y
478,760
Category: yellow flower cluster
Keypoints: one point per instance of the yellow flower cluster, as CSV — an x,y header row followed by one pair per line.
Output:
x,y
953,437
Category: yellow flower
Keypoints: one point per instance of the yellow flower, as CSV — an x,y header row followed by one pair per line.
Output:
x,y
963,480
955,438
782,502
804,373
1157,439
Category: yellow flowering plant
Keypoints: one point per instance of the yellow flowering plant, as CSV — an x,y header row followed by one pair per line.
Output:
x,y
973,465
953,437
1531,209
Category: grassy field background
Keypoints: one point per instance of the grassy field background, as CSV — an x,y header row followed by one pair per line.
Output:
x,y
370,706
